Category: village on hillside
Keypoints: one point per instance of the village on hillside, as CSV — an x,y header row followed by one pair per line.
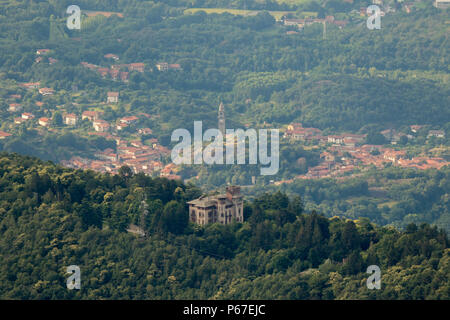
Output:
x,y
130,152
347,153
136,147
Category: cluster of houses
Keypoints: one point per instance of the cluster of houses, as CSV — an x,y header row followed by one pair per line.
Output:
x,y
296,132
41,53
70,118
122,71
4,135
134,154
36,85
26,116
101,125
341,160
346,153
140,157
165,66
116,71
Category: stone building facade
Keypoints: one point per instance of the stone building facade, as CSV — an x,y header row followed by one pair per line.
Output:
x,y
223,209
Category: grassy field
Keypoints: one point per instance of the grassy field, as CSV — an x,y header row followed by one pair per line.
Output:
x,y
292,2
102,13
276,14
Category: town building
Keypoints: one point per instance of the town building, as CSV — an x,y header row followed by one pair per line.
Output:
x,y
42,51
31,85
27,116
113,97
111,56
46,91
436,133
100,125
121,126
175,66
19,120
4,135
15,107
70,119
442,4
223,209
138,66
415,128
124,76
145,131
338,139
394,155
162,66
103,72
90,115
129,120
45,122
15,96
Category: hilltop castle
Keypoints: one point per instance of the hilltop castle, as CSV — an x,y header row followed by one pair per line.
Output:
x,y
224,208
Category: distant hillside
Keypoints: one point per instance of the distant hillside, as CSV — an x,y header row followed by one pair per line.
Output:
x,y
376,74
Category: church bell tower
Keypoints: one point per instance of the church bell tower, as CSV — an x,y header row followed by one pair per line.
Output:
x,y
221,119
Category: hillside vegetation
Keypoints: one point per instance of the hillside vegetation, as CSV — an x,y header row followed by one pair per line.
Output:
x,y
52,217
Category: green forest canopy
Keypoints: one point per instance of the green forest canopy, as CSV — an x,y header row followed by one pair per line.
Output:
x,y
51,217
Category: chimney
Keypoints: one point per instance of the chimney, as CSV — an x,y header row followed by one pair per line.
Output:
x,y
233,191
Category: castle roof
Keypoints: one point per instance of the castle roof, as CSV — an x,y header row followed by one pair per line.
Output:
x,y
209,201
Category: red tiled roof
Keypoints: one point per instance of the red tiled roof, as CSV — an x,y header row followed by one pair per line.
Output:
x,y
4,134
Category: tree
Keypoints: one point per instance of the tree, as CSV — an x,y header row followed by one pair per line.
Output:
x,y
296,205
57,120
125,172
174,218
376,138
90,216
350,236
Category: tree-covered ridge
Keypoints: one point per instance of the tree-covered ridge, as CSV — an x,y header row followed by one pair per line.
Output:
x,y
103,201
52,217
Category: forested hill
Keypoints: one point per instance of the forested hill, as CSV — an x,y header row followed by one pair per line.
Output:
x,y
51,218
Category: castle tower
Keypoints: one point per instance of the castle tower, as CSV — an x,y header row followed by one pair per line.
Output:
x,y
233,194
221,119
